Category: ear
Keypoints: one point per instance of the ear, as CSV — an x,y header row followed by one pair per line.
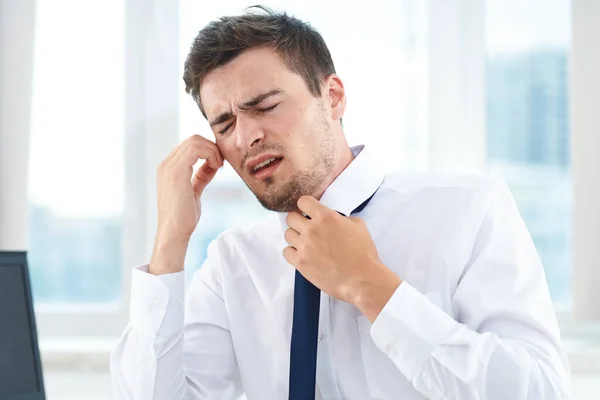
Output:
x,y
336,96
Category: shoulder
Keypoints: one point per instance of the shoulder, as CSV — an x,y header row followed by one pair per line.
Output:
x,y
415,182
462,194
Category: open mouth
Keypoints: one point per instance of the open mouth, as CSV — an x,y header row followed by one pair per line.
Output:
x,y
266,167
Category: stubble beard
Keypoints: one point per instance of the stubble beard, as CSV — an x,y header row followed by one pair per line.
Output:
x,y
283,196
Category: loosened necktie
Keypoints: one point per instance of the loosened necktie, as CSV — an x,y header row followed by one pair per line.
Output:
x,y
303,352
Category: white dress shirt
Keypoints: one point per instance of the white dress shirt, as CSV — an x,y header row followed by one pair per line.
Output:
x,y
472,319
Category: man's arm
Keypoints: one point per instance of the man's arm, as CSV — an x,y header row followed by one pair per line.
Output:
x,y
164,356
507,343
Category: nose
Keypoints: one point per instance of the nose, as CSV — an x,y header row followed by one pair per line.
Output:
x,y
248,132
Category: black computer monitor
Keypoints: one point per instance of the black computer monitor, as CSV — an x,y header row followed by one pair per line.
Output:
x,y
20,366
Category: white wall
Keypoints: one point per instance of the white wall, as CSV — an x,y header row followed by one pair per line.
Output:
x,y
456,99
585,128
17,20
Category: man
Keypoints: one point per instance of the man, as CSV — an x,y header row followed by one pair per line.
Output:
x,y
361,285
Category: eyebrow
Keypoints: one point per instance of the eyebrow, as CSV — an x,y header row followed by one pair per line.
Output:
x,y
256,100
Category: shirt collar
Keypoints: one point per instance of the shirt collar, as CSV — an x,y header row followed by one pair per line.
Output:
x,y
353,185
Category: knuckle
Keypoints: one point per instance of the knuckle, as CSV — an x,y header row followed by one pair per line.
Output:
x,y
192,146
325,217
302,260
311,229
194,138
190,143
162,168
200,142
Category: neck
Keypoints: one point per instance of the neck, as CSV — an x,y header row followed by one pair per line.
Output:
x,y
344,157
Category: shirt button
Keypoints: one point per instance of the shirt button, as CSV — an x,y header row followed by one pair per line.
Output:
x,y
321,336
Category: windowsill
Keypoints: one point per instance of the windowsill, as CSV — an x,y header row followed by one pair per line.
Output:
x,y
584,354
92,354
77,353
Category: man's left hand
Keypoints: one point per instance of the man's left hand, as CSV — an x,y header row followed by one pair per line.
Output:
x,y
338,255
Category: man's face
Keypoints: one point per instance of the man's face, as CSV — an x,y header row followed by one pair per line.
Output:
x,y
270,128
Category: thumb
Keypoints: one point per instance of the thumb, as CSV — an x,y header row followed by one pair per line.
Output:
x,y
357,219
202,177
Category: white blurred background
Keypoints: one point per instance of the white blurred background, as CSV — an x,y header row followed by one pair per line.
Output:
x,y
492,86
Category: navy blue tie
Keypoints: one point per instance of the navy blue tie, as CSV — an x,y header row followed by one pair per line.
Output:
x,y
303,352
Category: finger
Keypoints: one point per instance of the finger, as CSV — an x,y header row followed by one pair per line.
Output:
x,y
291,255
201,148
173,154
201,141
292,237
297,221
202,177
182,148
204,152
312,207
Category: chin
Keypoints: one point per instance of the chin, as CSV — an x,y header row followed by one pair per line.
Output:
x,y
279,199
278,194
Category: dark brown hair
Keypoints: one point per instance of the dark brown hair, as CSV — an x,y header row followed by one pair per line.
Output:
x,y
298,45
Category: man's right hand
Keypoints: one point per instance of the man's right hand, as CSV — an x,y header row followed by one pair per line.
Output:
x,y
179,206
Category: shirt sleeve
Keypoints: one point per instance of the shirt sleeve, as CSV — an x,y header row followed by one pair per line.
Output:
x,y
168,352
502,340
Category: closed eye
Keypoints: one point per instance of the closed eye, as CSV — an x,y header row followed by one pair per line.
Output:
x,y
224,130
262,110
268,108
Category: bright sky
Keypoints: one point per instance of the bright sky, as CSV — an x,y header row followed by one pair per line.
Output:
x,y
76,159
76,163
521,24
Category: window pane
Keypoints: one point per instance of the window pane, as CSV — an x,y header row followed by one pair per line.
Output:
x,y
528,123
388,117
76,152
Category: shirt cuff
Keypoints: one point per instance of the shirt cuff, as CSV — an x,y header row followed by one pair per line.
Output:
x,y
409,328
157,303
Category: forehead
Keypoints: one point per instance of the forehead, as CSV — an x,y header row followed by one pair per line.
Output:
x,y
253,72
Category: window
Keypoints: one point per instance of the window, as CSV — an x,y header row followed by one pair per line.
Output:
x,y
76,168
80,161
528,128
390,36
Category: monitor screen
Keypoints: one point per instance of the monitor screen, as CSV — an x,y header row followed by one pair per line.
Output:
x,y
19,357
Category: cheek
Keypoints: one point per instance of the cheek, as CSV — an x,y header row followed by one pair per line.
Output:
x,y
291,125
229,151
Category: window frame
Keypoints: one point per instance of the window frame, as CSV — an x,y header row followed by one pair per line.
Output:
x,y
152,84
459,26
458,107
584,63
